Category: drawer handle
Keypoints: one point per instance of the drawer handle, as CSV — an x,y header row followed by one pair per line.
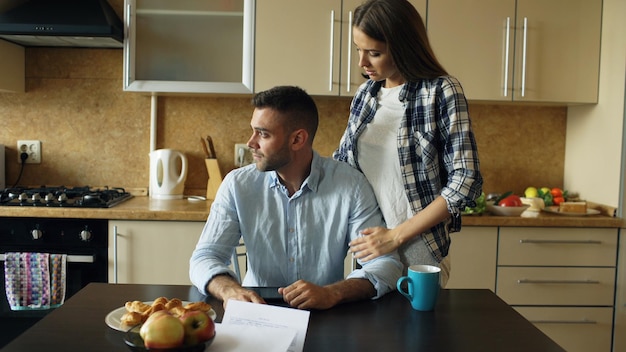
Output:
x,y
583,321
530,281
561,241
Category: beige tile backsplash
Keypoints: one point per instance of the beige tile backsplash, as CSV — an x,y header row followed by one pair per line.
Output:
x,y
95,134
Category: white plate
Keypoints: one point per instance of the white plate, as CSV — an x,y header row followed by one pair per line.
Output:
x,y
506,211
114,318
555,210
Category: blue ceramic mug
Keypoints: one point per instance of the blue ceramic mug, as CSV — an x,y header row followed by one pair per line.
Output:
x,y
422,286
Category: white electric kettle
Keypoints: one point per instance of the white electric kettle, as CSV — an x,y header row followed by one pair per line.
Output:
x,y
168,172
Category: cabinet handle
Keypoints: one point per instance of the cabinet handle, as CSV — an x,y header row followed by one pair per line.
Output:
x,y
582,321
332,49
531,281
349,78
127,47
506,56
560,241
115,254
524,57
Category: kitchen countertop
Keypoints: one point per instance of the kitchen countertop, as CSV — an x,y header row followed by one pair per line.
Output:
x,y
146,208
543,220
136,208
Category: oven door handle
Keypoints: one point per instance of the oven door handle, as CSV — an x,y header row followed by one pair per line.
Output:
x,y
70,258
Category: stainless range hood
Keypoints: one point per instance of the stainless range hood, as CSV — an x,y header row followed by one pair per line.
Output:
x,y
64,23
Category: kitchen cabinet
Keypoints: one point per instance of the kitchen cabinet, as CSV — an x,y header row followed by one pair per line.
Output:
x,y
520,50
189,46
562,280
12,68
156,252
473,258
309,45
152,252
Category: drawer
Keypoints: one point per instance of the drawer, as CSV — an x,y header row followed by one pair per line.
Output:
x,y
575,329
556,286
557,246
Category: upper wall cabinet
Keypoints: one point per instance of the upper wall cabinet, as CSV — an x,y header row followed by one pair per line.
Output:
x,y
189,46
524,50
309,44
12,68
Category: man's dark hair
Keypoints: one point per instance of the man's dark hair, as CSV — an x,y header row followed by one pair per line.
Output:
x,y
296,105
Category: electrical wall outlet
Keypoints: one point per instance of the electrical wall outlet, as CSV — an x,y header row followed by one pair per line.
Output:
x,y
30,147
243,155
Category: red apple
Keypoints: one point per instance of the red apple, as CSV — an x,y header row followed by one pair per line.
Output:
x,y
199,327
162,330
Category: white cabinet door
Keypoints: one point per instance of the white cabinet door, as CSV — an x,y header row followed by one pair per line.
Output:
x,y
298,43
189,46
12,68
308,44
525,50
473,40
557,53
151,252
473,258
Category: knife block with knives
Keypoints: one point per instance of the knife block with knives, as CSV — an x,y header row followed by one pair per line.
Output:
x,y
212,168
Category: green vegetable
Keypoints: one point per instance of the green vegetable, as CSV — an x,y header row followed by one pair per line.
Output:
x,y
546,196
547,199
480,207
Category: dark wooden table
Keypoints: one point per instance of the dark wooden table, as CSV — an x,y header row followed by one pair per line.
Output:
x,y
464,320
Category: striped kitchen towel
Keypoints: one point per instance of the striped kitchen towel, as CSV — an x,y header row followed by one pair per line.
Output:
x,y
58,265
34,281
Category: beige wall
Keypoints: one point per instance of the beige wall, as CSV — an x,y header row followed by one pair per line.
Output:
x,y
594,156
95,134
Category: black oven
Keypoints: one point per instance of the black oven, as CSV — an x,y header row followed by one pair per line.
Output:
x,y
85,241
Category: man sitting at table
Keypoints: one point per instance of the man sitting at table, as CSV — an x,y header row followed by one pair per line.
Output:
x,y
296,212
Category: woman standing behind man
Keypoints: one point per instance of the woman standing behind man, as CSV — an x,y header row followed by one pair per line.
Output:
x,y
409,132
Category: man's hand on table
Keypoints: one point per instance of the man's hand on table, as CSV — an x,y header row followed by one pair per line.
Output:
x,y
305,295
225,287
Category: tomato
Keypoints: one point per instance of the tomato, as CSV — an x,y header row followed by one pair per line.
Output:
x,y
556,192
511,201
558,200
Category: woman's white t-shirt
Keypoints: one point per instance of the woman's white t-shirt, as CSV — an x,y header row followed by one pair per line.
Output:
x,y
379,142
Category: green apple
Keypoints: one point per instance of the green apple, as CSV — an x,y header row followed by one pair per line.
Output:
x,y
162,330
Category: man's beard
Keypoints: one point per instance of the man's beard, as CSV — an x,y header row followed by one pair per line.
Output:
x,y
279,159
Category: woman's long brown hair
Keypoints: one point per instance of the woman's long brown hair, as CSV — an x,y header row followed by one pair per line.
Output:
x,y
398,24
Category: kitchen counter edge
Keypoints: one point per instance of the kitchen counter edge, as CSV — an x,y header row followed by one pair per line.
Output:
x,y
543,220
147,208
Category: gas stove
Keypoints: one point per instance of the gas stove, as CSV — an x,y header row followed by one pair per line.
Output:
x,y
61,196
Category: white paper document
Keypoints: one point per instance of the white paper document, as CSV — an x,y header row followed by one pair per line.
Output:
x,y
288,322
237,338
